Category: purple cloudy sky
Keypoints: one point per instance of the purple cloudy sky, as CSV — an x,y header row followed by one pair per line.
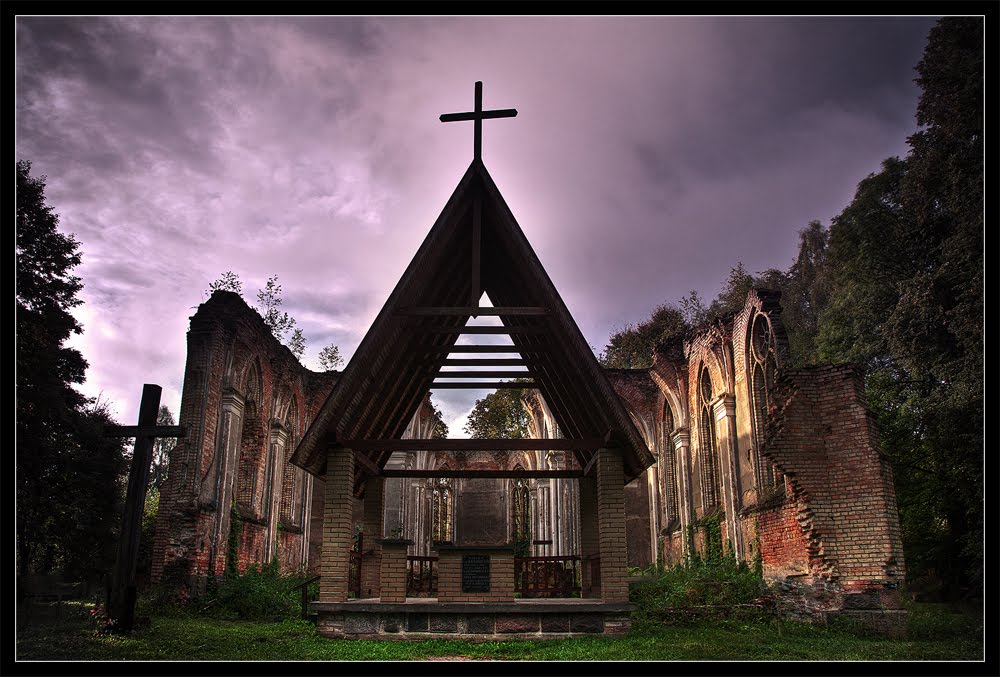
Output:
x,y
648,157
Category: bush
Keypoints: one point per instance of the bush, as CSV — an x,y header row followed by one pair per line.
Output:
x,y
256,594
703,582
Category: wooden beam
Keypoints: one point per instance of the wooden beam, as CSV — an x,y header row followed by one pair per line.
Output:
x,y
471,349
524,474
473,310
548,444
481,330
483,374
480,385
361,459
484,362
477,238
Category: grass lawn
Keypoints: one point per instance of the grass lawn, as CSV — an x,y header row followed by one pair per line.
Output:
x,y
67,633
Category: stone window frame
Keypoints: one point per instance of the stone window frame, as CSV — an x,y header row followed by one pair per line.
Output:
x,y
762,369
708,443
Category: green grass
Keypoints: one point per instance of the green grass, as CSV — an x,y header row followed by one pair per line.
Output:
x,y
52,633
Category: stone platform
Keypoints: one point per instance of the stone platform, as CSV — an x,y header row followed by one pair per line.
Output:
x,y
426,618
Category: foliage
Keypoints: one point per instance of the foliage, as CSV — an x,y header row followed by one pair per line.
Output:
x,y
149,510
69,476
907,304
500,414
269,301
329,358
256,594
162,446
713,577
633,346
440,431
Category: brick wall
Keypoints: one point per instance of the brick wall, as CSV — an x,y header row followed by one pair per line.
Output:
x,y
823,437
450,575
337,525
392,571
611,526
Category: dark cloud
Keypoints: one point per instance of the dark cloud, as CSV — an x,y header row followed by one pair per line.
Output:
x,y
649,156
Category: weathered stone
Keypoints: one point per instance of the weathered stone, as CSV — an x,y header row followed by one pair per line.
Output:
x,y
360,623
480,624
555,623
392,623
586,623
517,623
416,622
444,623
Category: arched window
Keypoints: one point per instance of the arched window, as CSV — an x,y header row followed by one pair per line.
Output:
x,y
520,508
292,478
710,488
668,468
441,509
252,447
763,369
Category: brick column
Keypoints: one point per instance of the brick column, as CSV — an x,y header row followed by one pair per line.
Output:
x,y
589,545
611,526
725,417
685,501
371,561
337,536
393,570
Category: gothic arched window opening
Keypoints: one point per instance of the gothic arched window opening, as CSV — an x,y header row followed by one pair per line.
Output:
x,y
763,368
710,487
441,509
668,469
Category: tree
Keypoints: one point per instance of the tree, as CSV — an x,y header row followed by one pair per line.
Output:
x,y
269,299
440,430
329,357
500,414
228,281
907,262
69,478
733,295
633,346
162,446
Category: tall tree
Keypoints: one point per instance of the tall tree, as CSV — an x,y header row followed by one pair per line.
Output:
x,y
500,414
162,446
68,475
907,260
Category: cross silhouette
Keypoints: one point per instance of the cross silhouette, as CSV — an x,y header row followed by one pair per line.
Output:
x,y
478,116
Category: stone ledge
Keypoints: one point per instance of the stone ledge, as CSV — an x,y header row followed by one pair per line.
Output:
x,y
512,607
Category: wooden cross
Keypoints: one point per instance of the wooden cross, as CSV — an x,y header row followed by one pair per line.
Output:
x,y
478,116
122,593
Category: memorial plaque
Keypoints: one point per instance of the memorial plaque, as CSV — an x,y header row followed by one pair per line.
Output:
x,y
475,573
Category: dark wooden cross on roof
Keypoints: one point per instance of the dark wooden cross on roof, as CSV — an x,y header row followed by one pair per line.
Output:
x,y
121,594
478,116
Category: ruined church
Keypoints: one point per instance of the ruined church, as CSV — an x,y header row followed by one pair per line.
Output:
x,y
338,473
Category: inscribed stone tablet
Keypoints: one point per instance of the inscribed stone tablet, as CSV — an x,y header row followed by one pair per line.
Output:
x,y
475,573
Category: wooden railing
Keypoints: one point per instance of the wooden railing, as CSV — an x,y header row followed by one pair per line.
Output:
x,y
421,576
549,576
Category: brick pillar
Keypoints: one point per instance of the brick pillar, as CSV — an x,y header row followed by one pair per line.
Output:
x,y
685,501
371,562
393,570
589,545
611,526
337,536
725,418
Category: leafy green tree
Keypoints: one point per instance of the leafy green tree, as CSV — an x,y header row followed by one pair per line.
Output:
x,y
440,431
907,261
500,414
633,346
69,477
162,446
269,302
733,295
329,357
